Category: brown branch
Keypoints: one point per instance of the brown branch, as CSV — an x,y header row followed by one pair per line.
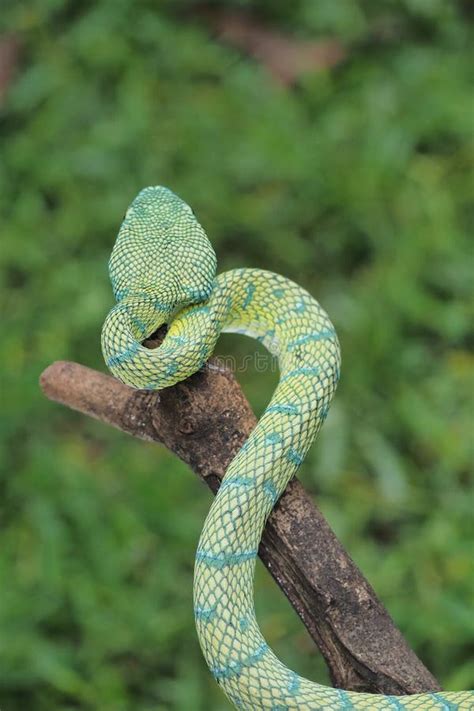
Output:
x,y
285,57
205,421
9,56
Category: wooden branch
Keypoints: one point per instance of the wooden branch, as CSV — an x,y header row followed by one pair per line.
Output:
x,y
286,58
205,420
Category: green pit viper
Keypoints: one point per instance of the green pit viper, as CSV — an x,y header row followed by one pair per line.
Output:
x,y
163,271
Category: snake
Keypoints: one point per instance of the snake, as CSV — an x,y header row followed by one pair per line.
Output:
x,y
163,273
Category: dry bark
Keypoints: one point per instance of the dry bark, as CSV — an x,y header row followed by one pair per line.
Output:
x,y
205,420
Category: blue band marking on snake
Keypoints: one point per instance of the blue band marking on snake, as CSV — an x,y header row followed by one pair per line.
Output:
x,y
246,445
238,481
273,438
324,412
249,296
178,340
160,306
270,489
139,325
294,456
196,294
311,337
196,311
130,294
122,357
283,409
205,614
221,560
236,668
171,368
443,704
300,371
293,684
244,623
344,699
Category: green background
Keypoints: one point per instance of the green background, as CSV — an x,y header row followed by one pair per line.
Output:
x,y
354,183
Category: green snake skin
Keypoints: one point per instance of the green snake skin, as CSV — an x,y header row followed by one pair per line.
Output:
x,y
162,270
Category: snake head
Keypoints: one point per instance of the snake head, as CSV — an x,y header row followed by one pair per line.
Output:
x,y
162,251
161,262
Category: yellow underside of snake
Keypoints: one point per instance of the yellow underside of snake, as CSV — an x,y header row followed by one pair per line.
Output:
x,y
162,270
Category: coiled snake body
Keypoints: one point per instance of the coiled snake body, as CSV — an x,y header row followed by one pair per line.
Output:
x,y
162,270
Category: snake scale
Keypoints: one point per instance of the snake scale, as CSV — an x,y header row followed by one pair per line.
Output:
x,y
163,271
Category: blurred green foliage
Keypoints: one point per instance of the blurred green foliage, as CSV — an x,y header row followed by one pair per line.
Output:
x,y
355,184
